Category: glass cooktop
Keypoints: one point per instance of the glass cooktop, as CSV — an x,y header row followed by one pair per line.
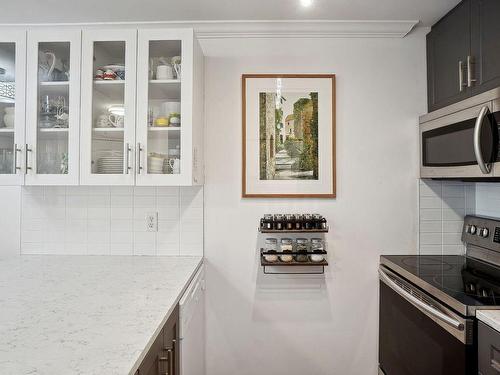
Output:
x,y
455,280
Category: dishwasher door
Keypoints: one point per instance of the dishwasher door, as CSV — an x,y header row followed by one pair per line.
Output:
x,y
192,327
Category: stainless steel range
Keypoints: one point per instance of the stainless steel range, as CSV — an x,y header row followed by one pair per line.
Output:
x,y
428,304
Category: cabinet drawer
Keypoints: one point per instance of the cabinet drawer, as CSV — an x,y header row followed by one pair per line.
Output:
x,y
488,350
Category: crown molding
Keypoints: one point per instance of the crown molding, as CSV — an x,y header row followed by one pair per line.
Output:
x,y
263,29
303,29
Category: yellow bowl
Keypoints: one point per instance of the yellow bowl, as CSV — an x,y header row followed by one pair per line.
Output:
x,y
161,121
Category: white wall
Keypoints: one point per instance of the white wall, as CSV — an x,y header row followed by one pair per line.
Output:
x,y
327,325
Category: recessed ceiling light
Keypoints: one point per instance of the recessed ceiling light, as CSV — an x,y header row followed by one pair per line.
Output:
x,y
306,3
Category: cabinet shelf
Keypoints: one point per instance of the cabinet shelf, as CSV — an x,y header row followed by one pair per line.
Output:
x,y
54,87
163,128
53,130
110,88
7,130
54,83
261,230
169,89
165,81
312,268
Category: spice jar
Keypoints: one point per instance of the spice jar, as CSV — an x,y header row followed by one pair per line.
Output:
x,y
271,246
317,247
267,222
298,221
301,249
278,222
308,222
286,247
289,222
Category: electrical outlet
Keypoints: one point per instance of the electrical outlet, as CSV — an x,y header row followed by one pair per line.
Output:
x,y
152,221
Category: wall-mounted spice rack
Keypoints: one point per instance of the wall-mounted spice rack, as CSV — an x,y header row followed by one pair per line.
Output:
x,y
292,263
298,252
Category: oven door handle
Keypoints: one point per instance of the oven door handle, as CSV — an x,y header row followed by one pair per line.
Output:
x,y
485,167
420,304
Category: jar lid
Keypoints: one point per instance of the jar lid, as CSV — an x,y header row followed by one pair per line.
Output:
x,y
268,216
271,240
316,240
317,216
286,240
302,240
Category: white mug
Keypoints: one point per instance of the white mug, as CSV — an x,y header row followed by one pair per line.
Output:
x,y
103,122
116,120
175,165
164,72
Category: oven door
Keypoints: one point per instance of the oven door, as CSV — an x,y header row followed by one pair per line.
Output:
x,y
460,145
420,336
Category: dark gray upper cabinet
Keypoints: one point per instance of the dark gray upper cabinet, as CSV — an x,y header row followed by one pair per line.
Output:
x,y
448,45
463,53
485,44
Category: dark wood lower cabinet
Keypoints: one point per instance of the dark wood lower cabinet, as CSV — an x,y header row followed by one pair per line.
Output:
x,y
163,357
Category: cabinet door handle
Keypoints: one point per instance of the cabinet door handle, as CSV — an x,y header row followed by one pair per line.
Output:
x,y
127,159
170,354
16,150
470,71
139,154
26,159
461,83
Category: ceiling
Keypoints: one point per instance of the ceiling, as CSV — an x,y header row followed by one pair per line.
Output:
x,y
86,11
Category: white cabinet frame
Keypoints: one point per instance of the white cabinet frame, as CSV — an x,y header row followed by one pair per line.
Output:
x,y
19,38
129,36
186,37
32,105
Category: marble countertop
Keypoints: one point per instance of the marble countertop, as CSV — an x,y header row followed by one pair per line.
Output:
x,y
490,317
86,315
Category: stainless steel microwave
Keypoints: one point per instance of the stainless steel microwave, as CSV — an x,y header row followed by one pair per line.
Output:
x,y
462,141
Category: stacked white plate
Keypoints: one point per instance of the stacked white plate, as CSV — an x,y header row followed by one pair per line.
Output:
x,y
110,165
155,164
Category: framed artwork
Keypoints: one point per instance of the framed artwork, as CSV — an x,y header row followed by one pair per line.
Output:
x,y
288,135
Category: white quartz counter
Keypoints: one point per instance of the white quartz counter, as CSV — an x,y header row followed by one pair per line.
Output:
x,y
489,317
86,315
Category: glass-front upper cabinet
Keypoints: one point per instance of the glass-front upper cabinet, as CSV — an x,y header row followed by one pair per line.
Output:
x,y
53,107
12,110
108,107
165,105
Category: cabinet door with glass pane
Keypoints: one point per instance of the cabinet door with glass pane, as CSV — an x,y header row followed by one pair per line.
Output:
x,y
53,107
164,106
108,107
12,107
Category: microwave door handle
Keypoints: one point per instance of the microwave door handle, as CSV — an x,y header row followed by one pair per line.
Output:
x,y
485,167
419,304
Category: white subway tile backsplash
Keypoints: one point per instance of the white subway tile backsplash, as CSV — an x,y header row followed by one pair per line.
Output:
x,y
121,249
431,227
111,220
431,214
145,201
443,205
122,225
122,201
431,238
431,249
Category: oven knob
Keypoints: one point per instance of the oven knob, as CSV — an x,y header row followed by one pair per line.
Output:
x,y
484,232
472,229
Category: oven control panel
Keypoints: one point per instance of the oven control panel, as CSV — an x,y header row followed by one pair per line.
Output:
x,y
482,231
